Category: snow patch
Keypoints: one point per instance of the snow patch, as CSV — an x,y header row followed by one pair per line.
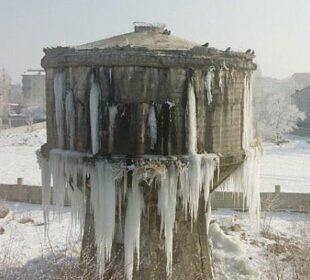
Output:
x,y
230,255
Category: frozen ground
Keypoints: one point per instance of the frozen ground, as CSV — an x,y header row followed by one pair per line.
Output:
x,y
239,250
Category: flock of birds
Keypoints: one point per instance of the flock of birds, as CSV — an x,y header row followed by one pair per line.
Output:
x,y
249,51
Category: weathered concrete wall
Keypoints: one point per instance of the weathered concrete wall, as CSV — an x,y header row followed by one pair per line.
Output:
x,y
134,90
294,201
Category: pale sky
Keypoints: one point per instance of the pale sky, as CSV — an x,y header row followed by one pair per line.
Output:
x,y
278,30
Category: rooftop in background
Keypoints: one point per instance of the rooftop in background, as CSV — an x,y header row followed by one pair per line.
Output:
x,y
33,72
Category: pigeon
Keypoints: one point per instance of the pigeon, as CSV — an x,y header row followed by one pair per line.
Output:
x,y
252,52
228,49
248,51
206,45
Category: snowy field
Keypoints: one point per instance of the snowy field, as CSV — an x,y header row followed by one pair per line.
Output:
x,y
287,165
18,158
239,251
25,252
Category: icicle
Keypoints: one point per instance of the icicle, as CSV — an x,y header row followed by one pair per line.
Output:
x,y
251,174
208,85
194,186
192,122
153,126
209,164
94,102
110,75
112,115
246,180
78,206
135,205
247,112
184,188
57,167
59,107
208,214
70,119
103,199
221,80
46,191
194,162
167,209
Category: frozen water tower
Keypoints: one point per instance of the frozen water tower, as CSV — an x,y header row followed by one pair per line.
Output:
x,y
141,128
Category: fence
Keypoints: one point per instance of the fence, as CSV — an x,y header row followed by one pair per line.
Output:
x,y
293,201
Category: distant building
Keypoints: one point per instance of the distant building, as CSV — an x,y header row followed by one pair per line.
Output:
x,y
33,86
301,80
302,100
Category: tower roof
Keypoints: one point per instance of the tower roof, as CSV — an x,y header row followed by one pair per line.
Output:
x,y
146,36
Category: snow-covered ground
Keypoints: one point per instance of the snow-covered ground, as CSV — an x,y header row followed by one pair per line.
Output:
x,y
287,165
239,250
18,158
24,248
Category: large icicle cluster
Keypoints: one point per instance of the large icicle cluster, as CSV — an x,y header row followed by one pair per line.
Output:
x,y
71,170
246,178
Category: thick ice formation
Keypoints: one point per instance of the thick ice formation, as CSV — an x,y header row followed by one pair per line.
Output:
x,y
59,107
70,119
167,198
135,205
103,200
192,122
94,102
247,112
152,126
246,178
71,170
208,85
46,190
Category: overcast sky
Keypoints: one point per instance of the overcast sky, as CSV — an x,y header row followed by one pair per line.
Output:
x,y
278,30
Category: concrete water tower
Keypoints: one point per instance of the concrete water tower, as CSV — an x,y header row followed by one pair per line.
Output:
x,y
141,127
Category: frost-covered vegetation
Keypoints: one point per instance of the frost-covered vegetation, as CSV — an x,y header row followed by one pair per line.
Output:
x,y
275,113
